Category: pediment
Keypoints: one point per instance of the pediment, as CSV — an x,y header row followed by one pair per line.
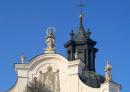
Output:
x,y
47,58
44,58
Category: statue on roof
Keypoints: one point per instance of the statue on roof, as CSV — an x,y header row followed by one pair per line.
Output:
x,y
50,39
108,69
23,59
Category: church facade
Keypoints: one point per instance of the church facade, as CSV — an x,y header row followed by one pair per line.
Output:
x,y
51,72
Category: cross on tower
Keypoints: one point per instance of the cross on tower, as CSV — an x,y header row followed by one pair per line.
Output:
x,y
81,6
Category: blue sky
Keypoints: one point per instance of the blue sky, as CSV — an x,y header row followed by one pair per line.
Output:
x,y
23,25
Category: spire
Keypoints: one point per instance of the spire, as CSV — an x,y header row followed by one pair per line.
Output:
x,y
80,35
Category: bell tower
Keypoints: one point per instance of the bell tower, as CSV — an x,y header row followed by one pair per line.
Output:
x,y
82,45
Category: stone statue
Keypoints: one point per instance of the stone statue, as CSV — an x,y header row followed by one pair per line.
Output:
x,y
76,55
50,39
108,72
23,59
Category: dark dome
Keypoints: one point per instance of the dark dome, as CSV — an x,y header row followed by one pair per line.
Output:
x,y
92,79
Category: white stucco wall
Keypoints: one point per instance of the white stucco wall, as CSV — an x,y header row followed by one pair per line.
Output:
x,y
68,74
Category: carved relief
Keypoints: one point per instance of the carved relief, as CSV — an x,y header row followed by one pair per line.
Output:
x,y
46,82
50,79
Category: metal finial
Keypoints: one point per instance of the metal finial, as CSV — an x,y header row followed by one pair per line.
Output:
x,y
81,7
81,10
88,33
71,34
